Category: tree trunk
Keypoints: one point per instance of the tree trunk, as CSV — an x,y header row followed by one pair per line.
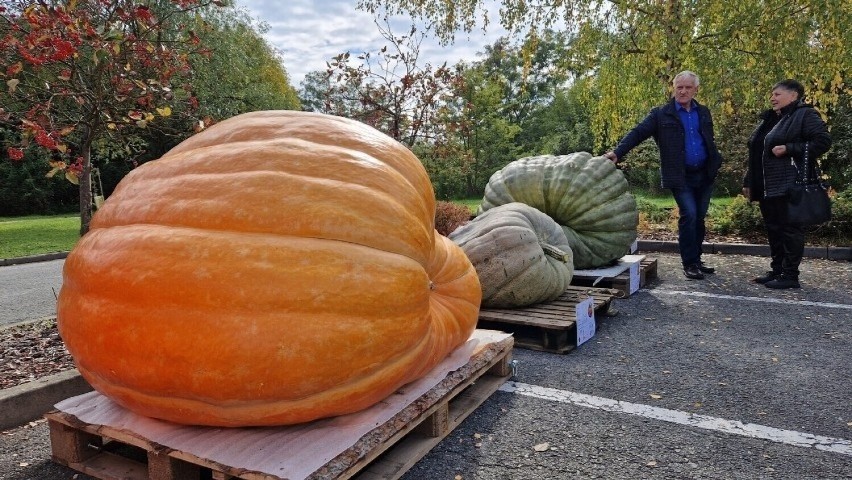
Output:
x,y
86,184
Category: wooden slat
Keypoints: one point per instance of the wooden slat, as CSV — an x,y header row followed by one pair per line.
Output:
x,y
108,466
540,347
164,467
545,321
437,424
72,445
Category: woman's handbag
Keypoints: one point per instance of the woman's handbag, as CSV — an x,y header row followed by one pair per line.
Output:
x,y
808,202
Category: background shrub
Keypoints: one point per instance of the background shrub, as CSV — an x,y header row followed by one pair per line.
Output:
x,y
740,217
642,168
25,190
652,212
839,229
449,216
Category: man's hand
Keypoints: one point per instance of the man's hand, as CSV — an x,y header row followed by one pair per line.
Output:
x,y
779,151
611,155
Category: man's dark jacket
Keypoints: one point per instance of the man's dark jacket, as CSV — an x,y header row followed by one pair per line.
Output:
x,y
663,123
798,125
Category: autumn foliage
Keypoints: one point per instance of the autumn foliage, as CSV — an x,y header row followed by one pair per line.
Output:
x,y
77,70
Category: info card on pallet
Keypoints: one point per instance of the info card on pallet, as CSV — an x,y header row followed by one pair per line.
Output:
x,y
585,320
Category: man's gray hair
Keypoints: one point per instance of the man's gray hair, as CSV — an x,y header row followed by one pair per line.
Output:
x,y
687,73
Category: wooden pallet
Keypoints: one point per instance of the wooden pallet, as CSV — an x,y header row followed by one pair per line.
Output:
x,y
647,274
111,452
551,326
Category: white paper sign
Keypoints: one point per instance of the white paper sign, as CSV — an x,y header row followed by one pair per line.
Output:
x,y
585,320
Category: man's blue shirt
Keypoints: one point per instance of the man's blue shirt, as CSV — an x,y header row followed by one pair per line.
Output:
x,y
696,152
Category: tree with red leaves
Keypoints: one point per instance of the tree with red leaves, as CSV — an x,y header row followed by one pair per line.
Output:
x,y
75,71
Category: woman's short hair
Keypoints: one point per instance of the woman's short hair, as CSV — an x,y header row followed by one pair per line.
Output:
x,y
792,86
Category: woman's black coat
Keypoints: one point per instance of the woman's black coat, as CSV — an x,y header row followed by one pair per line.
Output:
x,y
799,125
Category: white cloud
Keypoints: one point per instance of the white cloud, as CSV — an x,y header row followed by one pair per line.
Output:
x,y
308,33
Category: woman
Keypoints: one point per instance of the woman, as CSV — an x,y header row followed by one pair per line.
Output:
x,y
775,152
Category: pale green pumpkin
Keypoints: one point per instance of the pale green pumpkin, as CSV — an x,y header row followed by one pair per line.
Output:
x,y
521,255
586,195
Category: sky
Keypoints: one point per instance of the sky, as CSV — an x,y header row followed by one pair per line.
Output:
x,y
308,33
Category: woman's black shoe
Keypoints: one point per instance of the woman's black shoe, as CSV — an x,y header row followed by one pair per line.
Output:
x,y
766,278
783,282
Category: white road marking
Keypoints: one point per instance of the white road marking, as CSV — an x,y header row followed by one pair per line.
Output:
x,y
789,437
753,299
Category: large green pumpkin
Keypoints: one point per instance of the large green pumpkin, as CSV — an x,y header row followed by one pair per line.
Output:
x,y
586,195
520,254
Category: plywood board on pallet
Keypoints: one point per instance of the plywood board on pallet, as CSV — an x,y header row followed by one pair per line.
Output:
x,y
282,452
622,281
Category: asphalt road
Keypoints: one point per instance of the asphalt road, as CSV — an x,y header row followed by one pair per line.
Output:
x,y
714,379
28,291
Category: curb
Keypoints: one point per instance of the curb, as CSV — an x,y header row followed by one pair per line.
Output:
x,y
31,259
31,400
827,253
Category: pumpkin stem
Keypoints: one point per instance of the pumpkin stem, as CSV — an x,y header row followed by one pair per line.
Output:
x,y
555,253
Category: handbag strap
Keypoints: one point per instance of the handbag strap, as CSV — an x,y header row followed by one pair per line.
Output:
x,y
805,173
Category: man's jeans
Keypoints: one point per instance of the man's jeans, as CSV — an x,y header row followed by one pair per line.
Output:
x,y
693,201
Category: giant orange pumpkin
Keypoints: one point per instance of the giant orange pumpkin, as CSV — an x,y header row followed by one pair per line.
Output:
x,y
276,268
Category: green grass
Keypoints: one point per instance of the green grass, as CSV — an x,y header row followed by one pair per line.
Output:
x,y
471,203
667,201
34,235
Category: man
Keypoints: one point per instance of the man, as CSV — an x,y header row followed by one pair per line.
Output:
x,y
689,163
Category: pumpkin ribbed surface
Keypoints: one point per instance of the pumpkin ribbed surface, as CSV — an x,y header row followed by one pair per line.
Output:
x,y
276,268
521,255
586,195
